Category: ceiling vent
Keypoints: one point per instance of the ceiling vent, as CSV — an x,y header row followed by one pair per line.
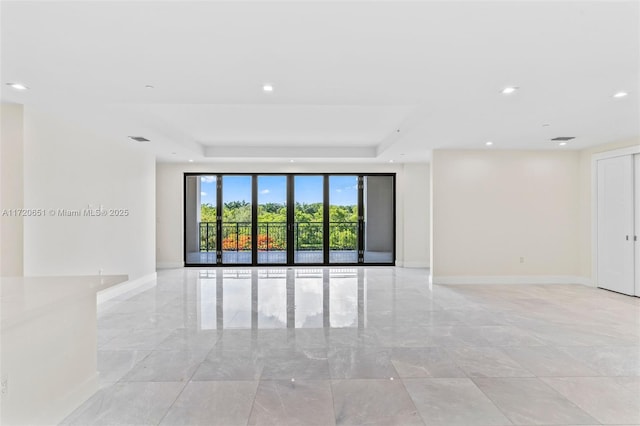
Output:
x,y
563,138
139,139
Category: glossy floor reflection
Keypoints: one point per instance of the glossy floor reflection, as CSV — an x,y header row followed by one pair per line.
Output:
x,y
368,346
230,257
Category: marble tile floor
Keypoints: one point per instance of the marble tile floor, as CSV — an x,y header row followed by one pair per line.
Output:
x,y
230,257
363,346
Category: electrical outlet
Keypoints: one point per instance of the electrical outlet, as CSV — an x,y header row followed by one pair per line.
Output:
x,y
5,385
521,259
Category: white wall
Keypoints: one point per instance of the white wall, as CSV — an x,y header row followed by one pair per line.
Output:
x,y
66,167
169,201
11,189
417,212
492,208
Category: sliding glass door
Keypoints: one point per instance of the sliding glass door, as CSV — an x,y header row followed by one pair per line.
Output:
x,y
289,219
201,235
343,219
308,225
237,218
272,220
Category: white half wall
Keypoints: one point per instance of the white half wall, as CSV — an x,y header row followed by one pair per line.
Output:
x,y
169,201
11,189
505,214
69,168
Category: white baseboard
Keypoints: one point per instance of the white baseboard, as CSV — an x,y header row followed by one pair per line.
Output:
x,y
169,265
416,265
131,287
512,279
586,281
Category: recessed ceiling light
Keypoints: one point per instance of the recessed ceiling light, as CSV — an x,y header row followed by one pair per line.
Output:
x,y
509,90
489,143
291,161
17,86
620,95
190,160
391,161
267,88
562,143
148,86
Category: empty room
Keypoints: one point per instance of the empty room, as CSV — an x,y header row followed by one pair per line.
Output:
x,y
320,212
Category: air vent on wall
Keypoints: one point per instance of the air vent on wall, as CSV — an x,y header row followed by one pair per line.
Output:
x,y
139,138
563,138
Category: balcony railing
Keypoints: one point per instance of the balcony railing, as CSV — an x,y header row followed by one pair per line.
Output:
x,y
272,236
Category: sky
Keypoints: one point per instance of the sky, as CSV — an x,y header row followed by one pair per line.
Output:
x,y
343,190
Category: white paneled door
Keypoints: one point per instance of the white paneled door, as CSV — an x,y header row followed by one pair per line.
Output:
x,y
615,222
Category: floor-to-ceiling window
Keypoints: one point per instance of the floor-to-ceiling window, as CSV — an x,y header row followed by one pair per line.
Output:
x,y
237,219
343,219
308,225
200,213
272,219
289,219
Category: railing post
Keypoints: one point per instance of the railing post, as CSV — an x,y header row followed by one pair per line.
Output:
x,y
267,236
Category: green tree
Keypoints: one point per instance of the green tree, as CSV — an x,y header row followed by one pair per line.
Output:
x,y
308,212
207,213
272,212
236,211
343,214
343,231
